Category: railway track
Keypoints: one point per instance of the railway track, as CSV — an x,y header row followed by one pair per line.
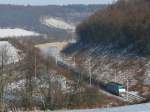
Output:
x,y
132,98
127,97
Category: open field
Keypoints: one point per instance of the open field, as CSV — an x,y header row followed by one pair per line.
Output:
x,y
57,23
16,32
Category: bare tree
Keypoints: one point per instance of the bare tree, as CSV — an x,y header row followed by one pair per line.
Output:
x,y
30,67
4,58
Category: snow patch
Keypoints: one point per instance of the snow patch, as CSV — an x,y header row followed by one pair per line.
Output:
x,y
16,85
57,23
16,32
10,53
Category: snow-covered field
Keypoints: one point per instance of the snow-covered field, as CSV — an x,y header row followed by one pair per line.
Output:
x,y
10,53
57,23
16,32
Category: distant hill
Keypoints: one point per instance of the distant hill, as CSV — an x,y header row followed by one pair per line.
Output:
x,y
28,17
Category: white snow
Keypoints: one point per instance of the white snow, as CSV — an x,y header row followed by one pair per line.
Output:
x,y
10,53
57,23
16,85
129,108
16,32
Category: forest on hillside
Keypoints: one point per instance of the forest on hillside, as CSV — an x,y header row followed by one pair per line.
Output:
x,y
122,24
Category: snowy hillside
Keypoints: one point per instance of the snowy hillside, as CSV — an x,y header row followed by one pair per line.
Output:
x,y
10,52
57,23
16,32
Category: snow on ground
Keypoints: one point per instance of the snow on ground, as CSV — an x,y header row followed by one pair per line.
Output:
x,y
57,23
129,108
16,85
16,32
10,53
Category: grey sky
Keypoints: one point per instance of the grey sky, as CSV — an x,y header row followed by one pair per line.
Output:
x,y
57,2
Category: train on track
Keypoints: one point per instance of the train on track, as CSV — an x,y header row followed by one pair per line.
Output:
x,y
115,88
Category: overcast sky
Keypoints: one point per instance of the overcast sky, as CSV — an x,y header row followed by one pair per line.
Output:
x,y
57,2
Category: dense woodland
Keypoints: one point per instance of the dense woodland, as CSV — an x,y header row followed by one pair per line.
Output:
x,y
124,24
